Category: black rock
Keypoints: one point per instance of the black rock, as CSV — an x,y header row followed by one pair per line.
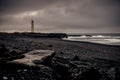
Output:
x,y
28,73
50,45
3,51
62,52
76,58
15,52
90,74
61,67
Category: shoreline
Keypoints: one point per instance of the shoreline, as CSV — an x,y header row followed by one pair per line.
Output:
x,y
77,59
92,43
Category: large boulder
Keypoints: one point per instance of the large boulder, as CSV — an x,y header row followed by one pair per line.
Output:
x,y
15,54
30,67
36,57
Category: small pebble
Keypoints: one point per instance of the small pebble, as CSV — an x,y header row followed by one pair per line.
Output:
x,y
25,70
5,77
18,70
12,78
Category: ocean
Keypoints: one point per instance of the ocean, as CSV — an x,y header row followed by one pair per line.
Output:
x,y
109,39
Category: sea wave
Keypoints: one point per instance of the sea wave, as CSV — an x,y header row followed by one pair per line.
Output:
x,y
103,39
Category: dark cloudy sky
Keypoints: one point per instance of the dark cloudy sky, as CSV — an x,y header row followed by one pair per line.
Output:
x,y
70,16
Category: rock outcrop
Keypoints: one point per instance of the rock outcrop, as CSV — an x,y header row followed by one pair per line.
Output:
x,y
70,69
36,57
29,67
9,54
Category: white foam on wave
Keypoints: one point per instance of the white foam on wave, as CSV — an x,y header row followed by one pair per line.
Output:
x,y
96,39
77,37
113,40
100,36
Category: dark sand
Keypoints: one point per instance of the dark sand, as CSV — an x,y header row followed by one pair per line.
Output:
x,y
82,58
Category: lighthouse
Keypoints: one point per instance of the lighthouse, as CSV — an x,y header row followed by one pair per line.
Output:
x,y
32,26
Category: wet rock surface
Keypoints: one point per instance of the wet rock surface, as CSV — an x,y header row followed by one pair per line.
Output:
x,y
35,57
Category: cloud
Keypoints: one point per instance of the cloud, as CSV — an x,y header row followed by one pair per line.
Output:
x,y
17,6
61,15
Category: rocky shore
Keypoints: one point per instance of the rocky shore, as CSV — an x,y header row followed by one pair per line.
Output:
x,y
49,58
